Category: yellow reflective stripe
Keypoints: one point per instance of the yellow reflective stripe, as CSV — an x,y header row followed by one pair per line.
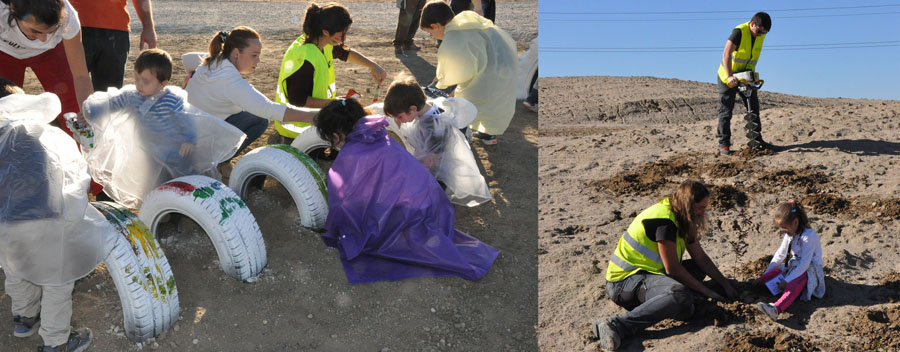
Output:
x,y
622,263
647,252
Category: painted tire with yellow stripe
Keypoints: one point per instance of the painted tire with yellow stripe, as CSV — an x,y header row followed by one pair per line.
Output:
x,y
296,171
222,215
141,273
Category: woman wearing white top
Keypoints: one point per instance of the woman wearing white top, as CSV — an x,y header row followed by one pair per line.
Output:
x,y
218,88
45,35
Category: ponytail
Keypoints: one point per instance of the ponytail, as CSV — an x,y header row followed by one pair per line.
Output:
x,y
331,17
224,42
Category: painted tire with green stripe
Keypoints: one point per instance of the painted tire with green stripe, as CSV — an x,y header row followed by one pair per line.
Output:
x,y
141,273
295,170
222,215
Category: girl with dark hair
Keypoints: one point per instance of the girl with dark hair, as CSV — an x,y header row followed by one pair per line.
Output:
x,y
803,273
646,274
45,35
218,88
307,70
387,215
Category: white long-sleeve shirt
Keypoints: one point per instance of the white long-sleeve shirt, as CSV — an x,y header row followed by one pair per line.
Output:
x,y
222,92
804,248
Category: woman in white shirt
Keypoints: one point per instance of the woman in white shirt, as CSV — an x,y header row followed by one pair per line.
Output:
x,y
45,35
218,88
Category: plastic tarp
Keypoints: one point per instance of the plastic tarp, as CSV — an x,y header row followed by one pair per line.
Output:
x,y
137,142
390,219
528,66
445,152
49,234
481,59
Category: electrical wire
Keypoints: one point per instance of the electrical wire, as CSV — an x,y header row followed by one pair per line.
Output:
x,y
720,11
541,19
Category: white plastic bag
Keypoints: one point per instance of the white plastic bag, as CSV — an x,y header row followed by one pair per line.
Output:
x,y
49,234
138,140
444,150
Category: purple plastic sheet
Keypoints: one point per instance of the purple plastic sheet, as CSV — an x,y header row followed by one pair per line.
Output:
x,y
390,219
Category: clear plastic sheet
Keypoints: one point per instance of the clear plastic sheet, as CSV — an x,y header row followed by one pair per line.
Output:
x,y
390,219
49,234
444,151
137,141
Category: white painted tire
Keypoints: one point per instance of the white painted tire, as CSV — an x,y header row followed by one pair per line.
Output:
x,y
222,215
141,273
308,141
296,171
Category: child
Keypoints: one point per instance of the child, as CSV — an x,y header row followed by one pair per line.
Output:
x,y
49,232
147,134
387,215
435,135
803,271
478,57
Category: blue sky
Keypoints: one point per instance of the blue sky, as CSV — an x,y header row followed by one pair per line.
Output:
x,y
848,52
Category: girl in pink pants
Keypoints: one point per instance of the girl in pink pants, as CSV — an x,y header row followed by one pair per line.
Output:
x,y
803,275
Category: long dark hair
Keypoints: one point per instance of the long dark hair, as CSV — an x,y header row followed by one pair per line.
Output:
x,y
338,118
687,194
332,17
47,12
224,42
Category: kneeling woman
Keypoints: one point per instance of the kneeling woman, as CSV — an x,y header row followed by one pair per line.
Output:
x,y
646,274
388,216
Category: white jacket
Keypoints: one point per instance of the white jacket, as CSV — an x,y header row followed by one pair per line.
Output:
x,y
222,92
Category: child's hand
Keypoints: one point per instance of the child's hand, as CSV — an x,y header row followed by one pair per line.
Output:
x,y
186,149
782,284
429,161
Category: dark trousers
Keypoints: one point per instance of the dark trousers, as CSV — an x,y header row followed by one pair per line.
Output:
x,y
489,8
408,22
726,106
105,52
253,126
532,97
651,298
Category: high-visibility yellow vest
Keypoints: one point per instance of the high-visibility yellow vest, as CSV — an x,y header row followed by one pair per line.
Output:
x,y
323,78
635,251
746,55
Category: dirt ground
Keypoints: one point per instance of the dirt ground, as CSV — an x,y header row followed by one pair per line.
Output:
x,y
612,146
302,301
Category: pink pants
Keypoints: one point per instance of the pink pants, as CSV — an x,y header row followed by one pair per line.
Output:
x,y
52,70
791,292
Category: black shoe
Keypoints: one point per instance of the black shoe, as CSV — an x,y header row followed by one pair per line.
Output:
x,y
102,197
724,150
78,341
25,326
609,338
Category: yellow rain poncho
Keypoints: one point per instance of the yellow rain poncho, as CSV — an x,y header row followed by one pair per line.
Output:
x,y
480,58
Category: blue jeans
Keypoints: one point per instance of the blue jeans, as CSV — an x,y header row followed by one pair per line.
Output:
x,y
253,126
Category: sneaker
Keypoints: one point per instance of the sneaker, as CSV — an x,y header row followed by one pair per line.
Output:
x,y
78,341
769,309
725,150
532,108
398,50
609,338
26,326
412,46
485,138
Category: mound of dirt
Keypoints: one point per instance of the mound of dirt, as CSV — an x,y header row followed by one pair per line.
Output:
x,y
807,180
879,328
728,196
777,340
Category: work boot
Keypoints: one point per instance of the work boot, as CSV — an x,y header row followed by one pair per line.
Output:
x,y
26,326
608,337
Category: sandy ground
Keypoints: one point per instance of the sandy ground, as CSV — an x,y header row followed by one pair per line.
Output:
x,y
612,146
302,300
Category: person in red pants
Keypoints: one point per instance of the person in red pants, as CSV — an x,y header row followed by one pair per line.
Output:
x,y
45,35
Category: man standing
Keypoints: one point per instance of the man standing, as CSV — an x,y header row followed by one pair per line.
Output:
x,y
407,25
741,53
104,33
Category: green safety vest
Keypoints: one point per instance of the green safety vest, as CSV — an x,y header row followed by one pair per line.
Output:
x,y
323,78
744,59
635,251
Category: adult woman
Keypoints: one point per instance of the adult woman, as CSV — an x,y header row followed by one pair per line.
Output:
x,y
307,70
478,57
218,88
45,35
646,274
